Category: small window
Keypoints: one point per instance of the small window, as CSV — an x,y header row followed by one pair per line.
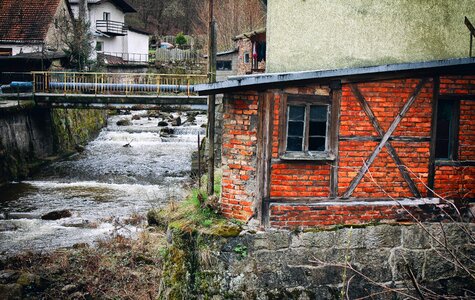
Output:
x,y
106,16
247,58
307,128
447,129
224,65
99,46
307,131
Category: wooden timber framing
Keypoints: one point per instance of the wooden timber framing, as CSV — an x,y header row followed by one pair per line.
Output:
x,y
356,180
334,140
409,139
264,155
391,151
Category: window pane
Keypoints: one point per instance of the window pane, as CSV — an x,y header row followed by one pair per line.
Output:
x,y
295,128
318,128
296,113
318,112
294,143
316,144
445,122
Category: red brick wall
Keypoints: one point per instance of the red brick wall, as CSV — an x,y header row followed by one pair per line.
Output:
x,y
452,181
386,98
292,216
239,155
311,178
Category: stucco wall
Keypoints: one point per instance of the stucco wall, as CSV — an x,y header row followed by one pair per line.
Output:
x,y
328,34
137,43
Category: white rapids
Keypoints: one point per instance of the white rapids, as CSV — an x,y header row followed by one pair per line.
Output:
x,y
102,186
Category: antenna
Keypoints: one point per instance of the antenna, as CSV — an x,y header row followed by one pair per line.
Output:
x,y
472,34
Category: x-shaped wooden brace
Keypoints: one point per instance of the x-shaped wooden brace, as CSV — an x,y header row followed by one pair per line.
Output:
x,y
385,140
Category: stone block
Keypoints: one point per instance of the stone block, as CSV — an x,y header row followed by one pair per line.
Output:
x,y
415,237
383,236
450,234
323,239
272,240
373,263
438,265
402,259
350,238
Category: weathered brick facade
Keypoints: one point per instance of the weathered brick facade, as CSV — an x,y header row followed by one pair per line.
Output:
x,y
239,155
297,189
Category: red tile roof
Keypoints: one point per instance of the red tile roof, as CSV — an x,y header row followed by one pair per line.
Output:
x,y
26,20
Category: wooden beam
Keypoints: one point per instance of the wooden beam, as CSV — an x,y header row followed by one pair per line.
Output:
x,y
408,139
334,142
356,180
392,152
458,96
264,155
433,135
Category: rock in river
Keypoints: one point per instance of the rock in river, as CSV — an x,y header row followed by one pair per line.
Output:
x,y
123,122
176,122
56,215
162,123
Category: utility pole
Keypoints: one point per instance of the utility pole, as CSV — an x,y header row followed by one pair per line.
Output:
x,y
211,98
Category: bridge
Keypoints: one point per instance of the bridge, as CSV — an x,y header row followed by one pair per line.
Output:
x,y
87,89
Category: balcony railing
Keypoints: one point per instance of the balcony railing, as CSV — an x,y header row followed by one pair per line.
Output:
x,y
128,57
111,27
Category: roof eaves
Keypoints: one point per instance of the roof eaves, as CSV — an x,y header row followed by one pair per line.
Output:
x,y
250,81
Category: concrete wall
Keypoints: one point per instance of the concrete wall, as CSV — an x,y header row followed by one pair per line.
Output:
x,y
328,34
30,135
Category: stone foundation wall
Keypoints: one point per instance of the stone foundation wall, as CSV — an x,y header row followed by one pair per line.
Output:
x,y
310,265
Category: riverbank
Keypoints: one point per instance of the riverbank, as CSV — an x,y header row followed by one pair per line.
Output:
x,y
191,252
31,136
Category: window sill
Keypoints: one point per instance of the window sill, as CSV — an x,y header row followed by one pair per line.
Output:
x,y
308,156
454,163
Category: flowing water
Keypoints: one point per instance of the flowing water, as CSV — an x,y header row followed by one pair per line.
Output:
x,y
103,186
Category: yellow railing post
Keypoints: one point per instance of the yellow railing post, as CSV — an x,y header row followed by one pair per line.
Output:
x,y
95,83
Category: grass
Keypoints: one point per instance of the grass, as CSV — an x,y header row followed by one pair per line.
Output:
x,y
122,268
117,268
196,213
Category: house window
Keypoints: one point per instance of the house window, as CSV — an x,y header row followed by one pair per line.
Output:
x,y
224,65
446,142
247,57
307,128
106,16
99,46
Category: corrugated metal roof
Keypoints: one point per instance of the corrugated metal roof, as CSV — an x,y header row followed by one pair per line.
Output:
x,y
280,79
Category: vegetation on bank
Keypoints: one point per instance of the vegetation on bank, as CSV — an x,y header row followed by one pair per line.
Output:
x,y
120,268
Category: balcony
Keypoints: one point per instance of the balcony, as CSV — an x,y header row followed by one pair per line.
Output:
x,y
112,28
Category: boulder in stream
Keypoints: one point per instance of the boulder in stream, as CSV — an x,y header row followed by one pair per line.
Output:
x,y
135,117
176,122
123,122
162,123
167,130
56,215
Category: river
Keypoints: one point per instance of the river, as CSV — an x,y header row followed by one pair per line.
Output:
x,y
105,187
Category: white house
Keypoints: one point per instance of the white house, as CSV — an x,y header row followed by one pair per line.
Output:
x,y
113,39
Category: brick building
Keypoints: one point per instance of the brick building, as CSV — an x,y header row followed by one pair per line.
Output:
x,y
251,52
348,146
